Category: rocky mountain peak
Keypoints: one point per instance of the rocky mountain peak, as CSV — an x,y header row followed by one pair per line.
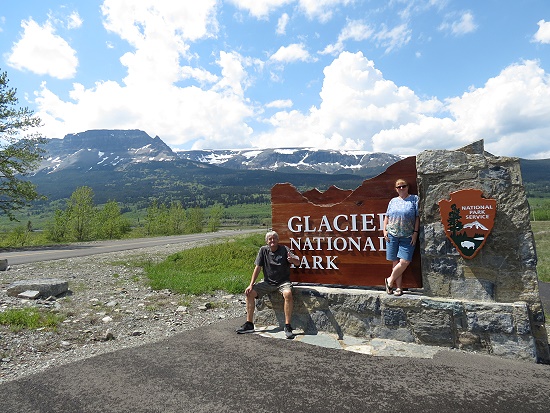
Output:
x,y
101,149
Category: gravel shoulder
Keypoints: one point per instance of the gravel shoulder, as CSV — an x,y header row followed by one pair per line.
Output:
x,y
109,306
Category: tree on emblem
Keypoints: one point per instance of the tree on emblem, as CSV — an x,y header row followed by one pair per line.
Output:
x,y
454,220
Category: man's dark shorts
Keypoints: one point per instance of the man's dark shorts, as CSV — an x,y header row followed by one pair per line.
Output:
x,y
262,288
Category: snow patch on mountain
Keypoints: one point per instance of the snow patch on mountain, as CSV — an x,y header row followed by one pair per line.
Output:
x,y
476,225
295,160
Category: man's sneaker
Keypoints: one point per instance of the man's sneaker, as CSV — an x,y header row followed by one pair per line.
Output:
x,y
288,331
247,327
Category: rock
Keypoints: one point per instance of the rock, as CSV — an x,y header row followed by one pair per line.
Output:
x,y
108,336
47,287
29,295
4,265
205,307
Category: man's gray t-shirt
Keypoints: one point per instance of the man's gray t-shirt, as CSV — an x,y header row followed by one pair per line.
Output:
x,y
275,264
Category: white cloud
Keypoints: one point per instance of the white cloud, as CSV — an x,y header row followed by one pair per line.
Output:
x,y
74,21
360,109
321,9
151,97
260,9
355,30
282,23
234,75
200,75
463,25
40,50
357,102
291,53
279,104
392,39
180,115
160,32
510,113
543,33
135,21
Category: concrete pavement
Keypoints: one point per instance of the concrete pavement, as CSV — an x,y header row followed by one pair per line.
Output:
x,y
212,369
372,347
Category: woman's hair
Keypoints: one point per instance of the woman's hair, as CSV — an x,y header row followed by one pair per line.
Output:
x,y
271,234
401,180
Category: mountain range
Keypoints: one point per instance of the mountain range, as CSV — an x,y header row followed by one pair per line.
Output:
x,y
129,166
98,149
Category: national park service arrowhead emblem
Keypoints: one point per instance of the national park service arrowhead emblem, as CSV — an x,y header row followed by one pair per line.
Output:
x,y
468,219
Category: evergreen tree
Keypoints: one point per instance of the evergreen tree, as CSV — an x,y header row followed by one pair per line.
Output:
x,y
454,220
20,151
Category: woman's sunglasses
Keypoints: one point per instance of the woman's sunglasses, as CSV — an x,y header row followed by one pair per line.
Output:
x,y
401,186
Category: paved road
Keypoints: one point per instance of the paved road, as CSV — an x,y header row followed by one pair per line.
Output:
x,y
212,369
28,255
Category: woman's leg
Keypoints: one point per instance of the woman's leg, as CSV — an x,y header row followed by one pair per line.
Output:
x,y
397,272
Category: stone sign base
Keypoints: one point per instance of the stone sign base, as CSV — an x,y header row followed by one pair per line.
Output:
x,y
501,329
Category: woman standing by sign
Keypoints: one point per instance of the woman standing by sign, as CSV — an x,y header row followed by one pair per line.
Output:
x,y
400,230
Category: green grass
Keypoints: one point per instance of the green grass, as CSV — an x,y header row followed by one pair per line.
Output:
x,y
29,318
540,209
225,266
541,229
247,215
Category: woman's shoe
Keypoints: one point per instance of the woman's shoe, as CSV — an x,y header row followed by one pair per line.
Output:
x,y
398,291
388,288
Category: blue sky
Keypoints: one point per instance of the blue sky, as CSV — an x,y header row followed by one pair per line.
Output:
x,y
397,76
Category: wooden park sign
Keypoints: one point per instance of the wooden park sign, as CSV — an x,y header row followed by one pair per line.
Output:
x,y
338,233
468,219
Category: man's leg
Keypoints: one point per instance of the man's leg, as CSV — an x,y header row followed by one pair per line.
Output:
x,y
250,305
288,306
248,327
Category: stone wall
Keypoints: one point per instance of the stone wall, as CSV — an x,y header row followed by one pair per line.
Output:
x,y
489,303
501,329
505,270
